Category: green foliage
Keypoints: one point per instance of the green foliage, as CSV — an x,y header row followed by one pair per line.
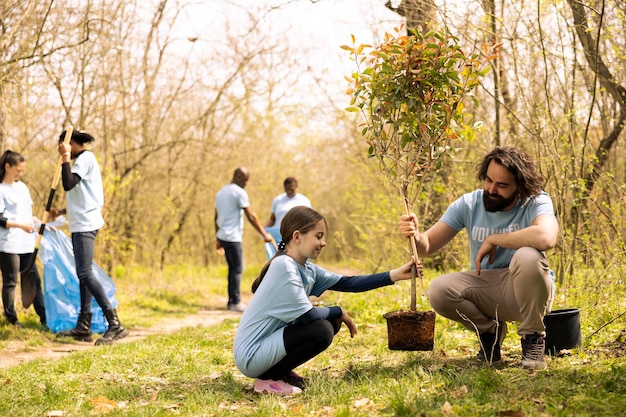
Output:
x,y
374,216
411,91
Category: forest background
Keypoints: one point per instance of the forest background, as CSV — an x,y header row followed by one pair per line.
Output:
x,y
178,93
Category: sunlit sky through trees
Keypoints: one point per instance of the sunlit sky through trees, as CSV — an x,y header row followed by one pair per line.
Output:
x,y
308,34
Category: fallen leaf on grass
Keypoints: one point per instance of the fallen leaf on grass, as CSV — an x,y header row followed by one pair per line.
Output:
x,y
363,402
446,409
215,375
102,405
459,392
55,413
435,367
230,407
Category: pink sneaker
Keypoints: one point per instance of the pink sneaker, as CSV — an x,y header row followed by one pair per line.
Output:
x,y
275,387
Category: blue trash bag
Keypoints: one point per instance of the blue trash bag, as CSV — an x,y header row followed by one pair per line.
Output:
x,y
61,287
270,250
275,232
270,247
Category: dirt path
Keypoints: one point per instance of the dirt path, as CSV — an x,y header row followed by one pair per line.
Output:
x,y
14,353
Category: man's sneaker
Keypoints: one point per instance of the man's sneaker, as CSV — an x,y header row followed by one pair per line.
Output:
x,y
239,307
275,387
533,347
492,346
294,379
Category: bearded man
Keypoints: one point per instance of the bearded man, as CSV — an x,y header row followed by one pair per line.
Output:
x,y
510,223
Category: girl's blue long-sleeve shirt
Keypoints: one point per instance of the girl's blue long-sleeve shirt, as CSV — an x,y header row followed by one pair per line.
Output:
x,y
357,283
282,299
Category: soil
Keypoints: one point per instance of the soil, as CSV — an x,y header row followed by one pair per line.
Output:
x,y
17,351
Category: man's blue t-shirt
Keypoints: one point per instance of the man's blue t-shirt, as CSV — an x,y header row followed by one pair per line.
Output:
x,y
469,212
282,297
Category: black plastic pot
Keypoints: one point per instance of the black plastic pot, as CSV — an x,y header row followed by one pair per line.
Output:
x,y
562,330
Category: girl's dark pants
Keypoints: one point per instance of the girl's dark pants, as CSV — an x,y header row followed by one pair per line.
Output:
x,y
11,264
302,343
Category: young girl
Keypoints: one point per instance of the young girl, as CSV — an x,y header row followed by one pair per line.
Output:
x,y
281,329
17,235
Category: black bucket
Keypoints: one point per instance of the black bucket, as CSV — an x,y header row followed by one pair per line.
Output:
x,y
562,330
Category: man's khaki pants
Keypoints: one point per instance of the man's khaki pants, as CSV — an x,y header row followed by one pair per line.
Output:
x,y
523,292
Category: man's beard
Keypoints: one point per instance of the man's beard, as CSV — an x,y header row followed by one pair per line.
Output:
x,y
494,202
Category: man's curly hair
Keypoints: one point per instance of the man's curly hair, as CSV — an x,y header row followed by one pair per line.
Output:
x,y
529,181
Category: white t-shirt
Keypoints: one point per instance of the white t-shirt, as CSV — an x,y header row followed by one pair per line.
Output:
x,y
469,212
282,204
85,200
16,205
229,204
282,297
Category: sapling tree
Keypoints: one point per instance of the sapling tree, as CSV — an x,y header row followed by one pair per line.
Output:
x,y
411,91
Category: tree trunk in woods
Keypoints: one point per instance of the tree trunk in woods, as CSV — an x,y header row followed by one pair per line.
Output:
x,y
608,83
419,14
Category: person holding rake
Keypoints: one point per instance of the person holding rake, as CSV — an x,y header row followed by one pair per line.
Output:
x,y
281,329
82,183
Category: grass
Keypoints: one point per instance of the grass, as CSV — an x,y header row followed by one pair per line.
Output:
x,y
191,372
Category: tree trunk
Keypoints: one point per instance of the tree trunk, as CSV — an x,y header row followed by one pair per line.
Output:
x,y
608,82
419,14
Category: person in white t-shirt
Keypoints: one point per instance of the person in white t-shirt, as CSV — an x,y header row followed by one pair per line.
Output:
x,y
82,183
231,204
282,203
17,235
510,223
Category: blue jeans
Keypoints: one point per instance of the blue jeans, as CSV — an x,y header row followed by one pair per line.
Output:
x,y
90,287
234,259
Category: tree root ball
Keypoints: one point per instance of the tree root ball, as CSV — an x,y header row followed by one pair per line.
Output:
x,y
410,330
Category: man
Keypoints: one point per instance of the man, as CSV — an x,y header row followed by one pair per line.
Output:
x,y
231,202
510,223
284,202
